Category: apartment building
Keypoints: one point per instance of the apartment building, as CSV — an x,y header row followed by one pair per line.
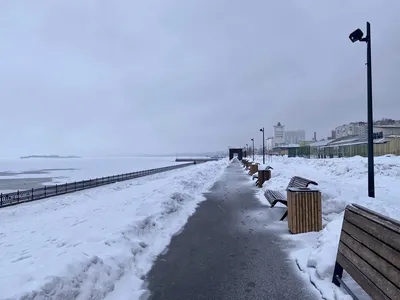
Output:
x,y
354,128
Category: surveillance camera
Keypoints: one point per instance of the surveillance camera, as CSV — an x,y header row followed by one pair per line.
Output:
x,y
356,35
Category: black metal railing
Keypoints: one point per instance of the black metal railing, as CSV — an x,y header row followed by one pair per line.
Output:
x,y
60,189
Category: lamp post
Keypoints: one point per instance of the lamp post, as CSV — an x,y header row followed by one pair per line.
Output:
x,y
262,129
253,147
355,36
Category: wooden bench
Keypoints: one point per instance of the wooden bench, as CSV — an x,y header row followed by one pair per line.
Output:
x,y
255,175
274,197
369,251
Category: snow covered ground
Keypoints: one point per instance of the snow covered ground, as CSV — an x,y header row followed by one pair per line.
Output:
x,y
341,181
63,170
97,243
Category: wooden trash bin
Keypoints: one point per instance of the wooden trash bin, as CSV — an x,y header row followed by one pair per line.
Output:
x,y
253,169
263,176
304,210
248,164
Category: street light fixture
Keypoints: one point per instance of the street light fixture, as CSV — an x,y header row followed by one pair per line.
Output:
x,y
355,36
253,147
262,129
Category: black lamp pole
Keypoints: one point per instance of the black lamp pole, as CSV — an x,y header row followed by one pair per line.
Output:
x,y
253,148
262,129
357,35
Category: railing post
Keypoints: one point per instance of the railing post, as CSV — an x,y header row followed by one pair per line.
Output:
x,y
56,189
45,192
32,194
1,199
66,187
75,186
18,196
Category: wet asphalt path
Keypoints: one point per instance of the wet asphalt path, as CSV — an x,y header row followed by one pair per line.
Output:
x,y
226,251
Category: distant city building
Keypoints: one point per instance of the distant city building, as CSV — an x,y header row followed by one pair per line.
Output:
x,y
387,130
269,144
354,128
279,135
386,121
294,136
384,127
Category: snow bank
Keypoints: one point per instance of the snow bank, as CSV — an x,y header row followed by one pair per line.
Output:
x,y
341,181
82,245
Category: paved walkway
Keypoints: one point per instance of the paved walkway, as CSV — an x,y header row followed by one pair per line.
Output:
x,y
225,251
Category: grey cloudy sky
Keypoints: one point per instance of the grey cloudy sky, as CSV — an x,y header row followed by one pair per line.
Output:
x,y
120,77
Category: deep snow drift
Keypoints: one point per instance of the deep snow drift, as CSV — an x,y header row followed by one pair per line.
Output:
x,y
341,181
99,242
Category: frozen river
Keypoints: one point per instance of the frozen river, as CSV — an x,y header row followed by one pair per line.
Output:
x,y
21,174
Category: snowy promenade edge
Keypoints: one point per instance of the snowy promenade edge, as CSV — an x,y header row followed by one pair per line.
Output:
x,y
341,181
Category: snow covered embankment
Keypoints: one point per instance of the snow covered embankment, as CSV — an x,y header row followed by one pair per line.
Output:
x,y
87,244
341,181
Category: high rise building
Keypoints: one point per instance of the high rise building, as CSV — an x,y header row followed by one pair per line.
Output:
x,y
279,134
294,136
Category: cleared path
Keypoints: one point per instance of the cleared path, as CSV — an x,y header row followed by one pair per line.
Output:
x,y
226,251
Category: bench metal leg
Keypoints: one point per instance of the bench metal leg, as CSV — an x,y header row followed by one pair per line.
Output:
x,y
284,216
280,201
337,273
337,280
273,203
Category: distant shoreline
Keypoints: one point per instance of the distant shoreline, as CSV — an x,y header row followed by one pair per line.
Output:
x,y
49,156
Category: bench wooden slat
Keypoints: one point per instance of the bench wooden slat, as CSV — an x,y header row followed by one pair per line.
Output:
x,y
385,269
374,216
377,228
369,251
382,249
300,182
361,279
380,282
274,196
375,213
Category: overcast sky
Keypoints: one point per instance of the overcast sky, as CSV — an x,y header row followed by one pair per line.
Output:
x,y
124,76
